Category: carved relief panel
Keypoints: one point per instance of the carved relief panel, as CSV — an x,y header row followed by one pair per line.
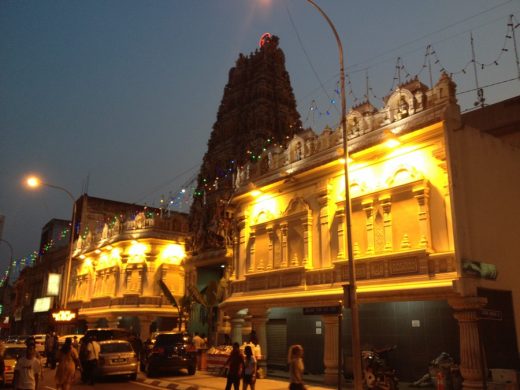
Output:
x,y
134,278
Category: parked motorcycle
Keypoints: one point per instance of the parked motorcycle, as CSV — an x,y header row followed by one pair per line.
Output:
x,y
443,366
377,374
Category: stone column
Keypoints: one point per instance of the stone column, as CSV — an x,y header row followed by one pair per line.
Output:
x,y
224,325
241,252
341,232
144,325
113,322
421,194
259,321
237,323
466,311
387,222
92,322
368,207
331,350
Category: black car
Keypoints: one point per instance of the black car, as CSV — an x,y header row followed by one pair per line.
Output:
x,y
171,352
102,334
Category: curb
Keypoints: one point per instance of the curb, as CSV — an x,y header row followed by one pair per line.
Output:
x,y
166,384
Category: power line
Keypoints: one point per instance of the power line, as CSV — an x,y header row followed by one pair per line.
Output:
x,y
164,184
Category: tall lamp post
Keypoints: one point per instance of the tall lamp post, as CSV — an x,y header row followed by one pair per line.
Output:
x,y
9,269
356,345
34,182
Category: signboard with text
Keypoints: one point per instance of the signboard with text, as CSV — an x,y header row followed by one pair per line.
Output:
x,y
65,315
321,310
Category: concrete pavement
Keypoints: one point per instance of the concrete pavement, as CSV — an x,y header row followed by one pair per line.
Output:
x,y
202,380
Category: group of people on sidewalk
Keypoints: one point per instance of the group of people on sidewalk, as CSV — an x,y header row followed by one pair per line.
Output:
x,y
29,368
245,368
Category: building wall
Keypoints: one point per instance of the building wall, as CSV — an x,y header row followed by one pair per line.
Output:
x,y
486,186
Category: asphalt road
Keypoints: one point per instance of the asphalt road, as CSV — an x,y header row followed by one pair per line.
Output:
x,y
179,381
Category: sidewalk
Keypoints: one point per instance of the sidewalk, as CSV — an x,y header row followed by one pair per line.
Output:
x,y
204,381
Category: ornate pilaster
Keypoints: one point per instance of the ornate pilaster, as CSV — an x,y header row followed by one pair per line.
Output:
x,y
466,310
307,241
386,204
285,246
270,247
324,230
331,349
422,194
235,259
368,207
341,234
241,253
121,278
252,260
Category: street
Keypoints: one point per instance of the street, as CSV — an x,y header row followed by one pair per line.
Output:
x,y
180,381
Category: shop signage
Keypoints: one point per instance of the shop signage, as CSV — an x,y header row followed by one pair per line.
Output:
x,y
65,315
42,304
53,284
318,310
490,314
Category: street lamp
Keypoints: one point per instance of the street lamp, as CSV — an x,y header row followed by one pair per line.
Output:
x,y
35,182
9,268
5,284
356,346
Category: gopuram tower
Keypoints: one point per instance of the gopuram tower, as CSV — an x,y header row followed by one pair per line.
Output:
x,y
258,110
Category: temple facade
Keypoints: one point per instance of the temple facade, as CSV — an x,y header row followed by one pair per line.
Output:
x,y
128,266
430,226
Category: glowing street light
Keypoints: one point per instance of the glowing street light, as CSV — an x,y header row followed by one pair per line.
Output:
x,y
352,294
35,182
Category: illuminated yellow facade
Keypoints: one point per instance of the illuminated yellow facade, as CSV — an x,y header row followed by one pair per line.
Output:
x,y
116,271
289,248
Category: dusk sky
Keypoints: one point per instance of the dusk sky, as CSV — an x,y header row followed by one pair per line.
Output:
x,y
125,93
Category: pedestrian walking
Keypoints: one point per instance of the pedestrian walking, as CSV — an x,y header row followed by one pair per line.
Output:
x,y
198,343
235,364
90,360
75,344
49,348
296,367
27,370
67,362
249,369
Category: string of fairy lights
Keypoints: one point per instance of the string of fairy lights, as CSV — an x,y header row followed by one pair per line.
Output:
x,y
182,197
431,61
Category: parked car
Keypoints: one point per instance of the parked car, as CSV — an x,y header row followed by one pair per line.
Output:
x,y
171,352
61,339
102,334
40,343
17,339
117,357
11,354
148,346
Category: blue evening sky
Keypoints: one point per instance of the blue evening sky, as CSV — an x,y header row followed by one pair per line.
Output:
x,y
125,92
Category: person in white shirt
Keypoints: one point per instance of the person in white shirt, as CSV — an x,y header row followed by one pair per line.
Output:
x,y
27,370
91,364
199,344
